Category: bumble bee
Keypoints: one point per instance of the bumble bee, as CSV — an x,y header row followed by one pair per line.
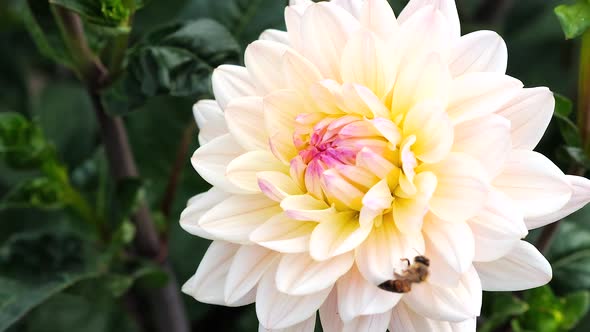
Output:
x,y
414,273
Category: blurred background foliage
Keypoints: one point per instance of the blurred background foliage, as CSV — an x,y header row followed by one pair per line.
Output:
x,y
67,256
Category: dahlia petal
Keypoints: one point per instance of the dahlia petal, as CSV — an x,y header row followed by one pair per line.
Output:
x,y
580,197
283,234
529,112
461,190
388,129
300,73
358,297
211,160
384,249
307,208
523,268
374,162
476,94
277,185
377,16
280,109
340,191
231,82
299,274
375,201
356,99
450,248
243,117
276,310
446,303
276,36
341,234
534,183
307,325
262,58
325,29
210,120
405,320
207,284
196,207
446,7
409,213
433,129
236,217
376,323
351,6
479,51
243,170
329,315
497,228
486,138
246,269
357,175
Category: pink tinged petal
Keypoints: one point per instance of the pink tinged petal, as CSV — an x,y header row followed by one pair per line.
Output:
x,y
365,62
378,17
341,192
497,228
277,186
244,117
477,94
359,297
446,7
243,170
329,315
246,269
428,79
299,274
211,160
406,320
529,112
274,35
283,234
409,213
447,303
236,217
231,82
262,59
277,310
462,188
433,129
388,130
207,284
339,235
450,248
280,110
523,268
300,73
479,51
534,183
375,201
210,120
307,208
580,197
196,207
358,176
307,325
486,138
382,252
325,29
297,170
373,162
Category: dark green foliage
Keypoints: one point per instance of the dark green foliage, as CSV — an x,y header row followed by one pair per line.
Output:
x,y
574,18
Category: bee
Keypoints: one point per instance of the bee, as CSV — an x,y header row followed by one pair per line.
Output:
x,y
414,273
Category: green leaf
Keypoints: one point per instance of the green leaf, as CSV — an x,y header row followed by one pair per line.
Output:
x,y
504,306
568,129
111,13
574,19
22,145
570,258
176,60
41,193
563,105
575,306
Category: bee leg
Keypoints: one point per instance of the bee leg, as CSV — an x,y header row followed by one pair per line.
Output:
x,y
406,260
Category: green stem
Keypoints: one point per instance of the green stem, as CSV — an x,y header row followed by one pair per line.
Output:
x,y
584,91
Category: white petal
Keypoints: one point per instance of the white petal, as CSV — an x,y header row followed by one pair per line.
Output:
x,y
536,185
210,120
306,207
497,228
372,323
247,267
351,6
231,82
280,109
300,73
479,51
207,284
446,7
243,117
276,310
262,59
450,248
329,315
580,197
277,185
299,274
523,268
243,170
274,35
339,235
486,138
377,16
384,249
406,320
358,297
236,217
196,207
283,234
529,112
307,325
211,160
444,303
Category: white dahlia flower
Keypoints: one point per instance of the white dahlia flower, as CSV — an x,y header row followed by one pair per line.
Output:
x,y
356,140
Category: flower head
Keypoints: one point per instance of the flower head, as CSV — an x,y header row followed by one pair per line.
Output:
x,y
355,141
